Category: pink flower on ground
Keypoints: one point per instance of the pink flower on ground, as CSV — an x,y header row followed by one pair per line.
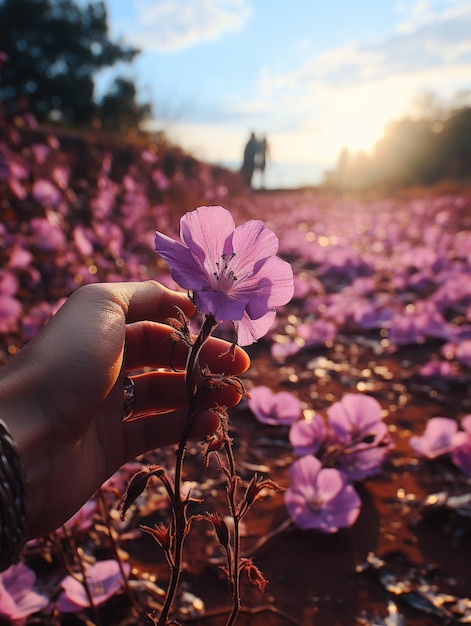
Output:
x,y
83,239
233,272
47,236
439,438
18,600
104,580
461,455
276,409
306,437
320,497
463,353
316,333
83,518
10,311
46,193
20,258
17,189
160,180
437,369
358,437
284,349
35,318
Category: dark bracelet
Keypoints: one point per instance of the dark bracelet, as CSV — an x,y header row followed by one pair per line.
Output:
x,y
12,501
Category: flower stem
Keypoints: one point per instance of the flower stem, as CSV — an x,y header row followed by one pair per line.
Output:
x,y
180,521
234,566
112,535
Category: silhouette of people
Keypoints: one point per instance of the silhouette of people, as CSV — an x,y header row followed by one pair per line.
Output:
x,y
256,152
261,158
248,164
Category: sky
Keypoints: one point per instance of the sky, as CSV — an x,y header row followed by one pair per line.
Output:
x,y
314,76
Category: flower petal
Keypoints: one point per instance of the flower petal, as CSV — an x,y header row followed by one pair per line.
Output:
x,y
219,304
249,330
252,241
205,231
186,271
271,286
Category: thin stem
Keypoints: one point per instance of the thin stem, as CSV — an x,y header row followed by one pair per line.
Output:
x,y
179,529
234,566
180,521
83,577
112,536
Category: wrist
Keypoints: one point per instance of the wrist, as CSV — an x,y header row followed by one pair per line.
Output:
x,y
23,422
13,525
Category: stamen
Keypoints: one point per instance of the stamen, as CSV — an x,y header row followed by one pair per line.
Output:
x,y
223,271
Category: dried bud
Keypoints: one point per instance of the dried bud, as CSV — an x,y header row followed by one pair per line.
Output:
x,y
136,486
256,485
181,328
255,575
220,526
216,381
161,533
214,443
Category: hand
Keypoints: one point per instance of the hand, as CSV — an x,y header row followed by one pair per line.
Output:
x,y
61,396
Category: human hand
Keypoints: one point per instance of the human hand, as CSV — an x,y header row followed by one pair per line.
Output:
x,y
62,394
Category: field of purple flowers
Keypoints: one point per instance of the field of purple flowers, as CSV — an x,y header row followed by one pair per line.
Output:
x,y
359,407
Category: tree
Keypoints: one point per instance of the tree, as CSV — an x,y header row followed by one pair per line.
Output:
x,y
119,109
54,48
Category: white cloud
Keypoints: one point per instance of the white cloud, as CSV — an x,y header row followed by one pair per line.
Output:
x,y
345,96
173,25
430,40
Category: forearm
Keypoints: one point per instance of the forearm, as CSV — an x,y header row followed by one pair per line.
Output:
x,y
22,418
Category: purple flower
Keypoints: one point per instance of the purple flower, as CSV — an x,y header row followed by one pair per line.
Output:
x,y
35,319
356,420
439,438
10,311
47,236
46,193
83,518
461,455
83,239
320,497
437,369
234,273
20,257
306,437
282,408
316,333
463,353
104,579
358,438
17,598
281,350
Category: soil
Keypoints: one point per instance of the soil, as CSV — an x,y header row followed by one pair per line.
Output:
x,y
402,552
322,579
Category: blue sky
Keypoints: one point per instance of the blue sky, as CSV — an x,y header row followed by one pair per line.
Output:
x,y
313,75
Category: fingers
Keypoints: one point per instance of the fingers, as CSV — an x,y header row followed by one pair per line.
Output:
x,y
147,300
163,430
162,392
149,344
150,300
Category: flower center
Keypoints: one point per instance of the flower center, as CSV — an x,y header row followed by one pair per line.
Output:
x,y
315,505
98,589
223,274
442,441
